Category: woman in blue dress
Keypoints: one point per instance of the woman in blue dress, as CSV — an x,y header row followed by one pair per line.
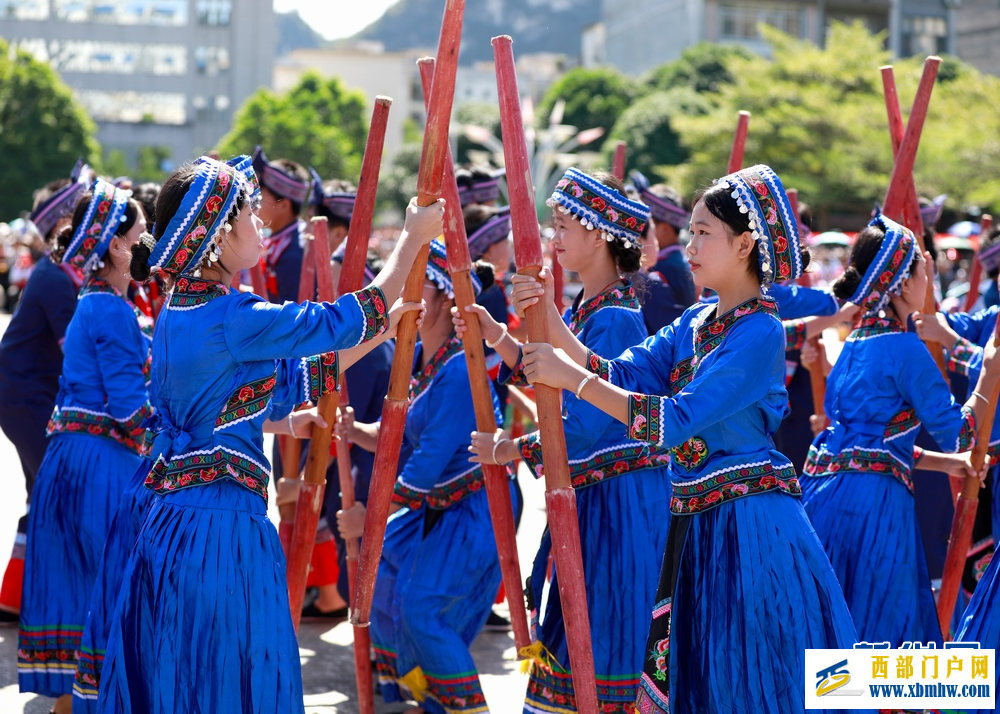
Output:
x,y
202,622
622,489
745,585
883,387
95,441
439,572
981,621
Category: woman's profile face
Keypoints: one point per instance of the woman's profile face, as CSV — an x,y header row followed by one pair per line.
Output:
x,y
242,249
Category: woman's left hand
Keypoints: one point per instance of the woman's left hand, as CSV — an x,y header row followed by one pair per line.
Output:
x,y
544,364
400,308
960,467
302,422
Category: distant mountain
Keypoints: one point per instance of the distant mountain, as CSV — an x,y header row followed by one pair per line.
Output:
x,y
535,25
294,33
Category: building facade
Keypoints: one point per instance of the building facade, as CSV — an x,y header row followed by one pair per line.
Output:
x,y
163,73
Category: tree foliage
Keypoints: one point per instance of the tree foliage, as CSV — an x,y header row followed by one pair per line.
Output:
x,y
319,123
43,129
594,97
703,67
819,119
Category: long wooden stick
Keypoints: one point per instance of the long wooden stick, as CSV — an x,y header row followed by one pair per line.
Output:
x,y
495,477
965,515
985,225
397,401
900,200
739,143
560,498
618,167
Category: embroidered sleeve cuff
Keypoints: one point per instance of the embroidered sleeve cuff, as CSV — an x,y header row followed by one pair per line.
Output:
x,y
406,496
375,311
320,375
645,418
598,365
795,334
918,454
513,377
962,355
530,448
967,436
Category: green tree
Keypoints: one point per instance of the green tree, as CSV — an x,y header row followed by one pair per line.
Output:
x,y
43,129
398,182
594,97
703,67
318,123
485,115
646,127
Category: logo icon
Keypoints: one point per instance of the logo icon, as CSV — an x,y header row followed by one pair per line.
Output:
x,y
832,678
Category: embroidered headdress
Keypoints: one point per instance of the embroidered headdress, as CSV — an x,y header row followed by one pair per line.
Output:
x,y
889,268
203,214
437,270
481,190
989,252
496,229
339,204
278,181
931,213
759,193
600,207
91,239
47,213
663,209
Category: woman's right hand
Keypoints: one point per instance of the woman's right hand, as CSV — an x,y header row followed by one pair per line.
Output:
x,y
489,328
344,428
935,328
424,222
527,291
400,308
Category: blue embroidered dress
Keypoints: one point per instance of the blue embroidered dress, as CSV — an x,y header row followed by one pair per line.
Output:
x,y
622,493
859,495
981,621
745,585
439,571
95,441
202,622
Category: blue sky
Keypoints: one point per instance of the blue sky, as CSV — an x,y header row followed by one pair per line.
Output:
x,y
336,18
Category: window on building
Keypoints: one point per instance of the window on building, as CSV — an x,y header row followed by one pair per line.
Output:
x,y
925,35
109,57
739,22
211,60
135,107
123,12
214,12
24,9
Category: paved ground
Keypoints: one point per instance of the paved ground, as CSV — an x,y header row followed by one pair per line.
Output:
x,y
326,653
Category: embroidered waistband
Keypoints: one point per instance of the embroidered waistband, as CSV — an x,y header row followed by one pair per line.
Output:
x,y
731,483
598,466
198,468
73,420
821,463
442,495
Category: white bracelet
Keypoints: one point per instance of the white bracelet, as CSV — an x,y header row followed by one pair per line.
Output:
x,y
980,395
495,445
583,383
503,333
291,427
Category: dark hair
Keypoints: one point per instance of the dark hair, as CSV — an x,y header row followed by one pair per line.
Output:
x,y
62,239
484,271
335,186
668,193
145,194
296,170
805,215
469,175
46,192
991,238
719,201
475,216
866,247
627,260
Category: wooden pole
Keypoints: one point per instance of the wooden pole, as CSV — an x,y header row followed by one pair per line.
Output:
x,y
495,477
985,225
739,142
965,515
560,498
397,401
901,203
618,167
558,282
257,280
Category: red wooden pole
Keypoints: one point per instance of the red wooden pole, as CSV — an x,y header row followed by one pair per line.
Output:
x,y
397,402
257,281
560,498
985,224
619,162
739,143
558,283
965,515
495,477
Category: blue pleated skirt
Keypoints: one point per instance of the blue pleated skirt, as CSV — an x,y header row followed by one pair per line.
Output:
x,y
981,621
77,492
623,532
868,525
124,529
745,589
203,623
437,580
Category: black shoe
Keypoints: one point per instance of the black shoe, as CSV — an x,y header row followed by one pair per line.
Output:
x,y
497,623
312,613
9,618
